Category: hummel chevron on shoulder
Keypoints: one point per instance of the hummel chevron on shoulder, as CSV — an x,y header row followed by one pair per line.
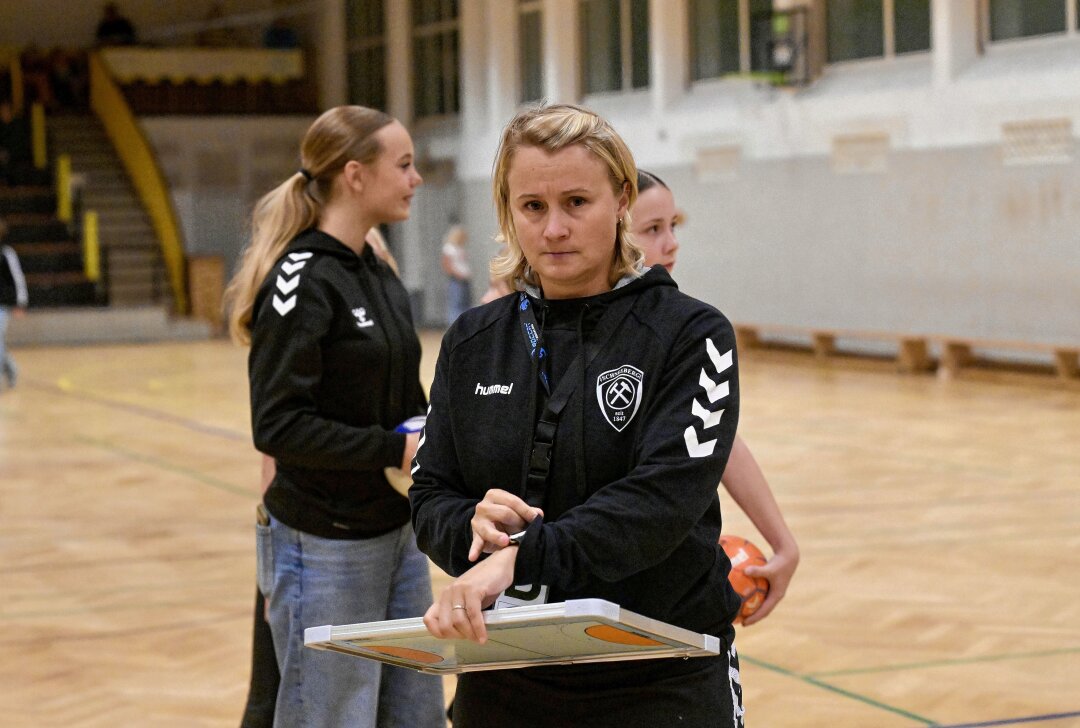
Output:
x,y
714,391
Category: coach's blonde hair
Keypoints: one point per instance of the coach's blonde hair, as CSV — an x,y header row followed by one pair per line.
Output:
x,y
338,136
553,128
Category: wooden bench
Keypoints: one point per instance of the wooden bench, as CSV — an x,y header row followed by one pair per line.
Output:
x,y
913,351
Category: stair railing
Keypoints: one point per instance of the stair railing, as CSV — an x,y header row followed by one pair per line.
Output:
x,y
108,103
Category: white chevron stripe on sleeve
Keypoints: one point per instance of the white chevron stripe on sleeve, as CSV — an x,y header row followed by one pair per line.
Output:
x,y
290,268
697,449
708,419
300,256
713,390
287,285
722,363
283,307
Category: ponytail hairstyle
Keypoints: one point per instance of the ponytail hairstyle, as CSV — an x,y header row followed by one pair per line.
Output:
x,y
338,136
553,128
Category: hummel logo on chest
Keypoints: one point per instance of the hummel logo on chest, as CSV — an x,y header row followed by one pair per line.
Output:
x,y
494,389
362,321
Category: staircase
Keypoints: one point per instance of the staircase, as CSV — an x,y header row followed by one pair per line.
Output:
x,y
50,257
131,257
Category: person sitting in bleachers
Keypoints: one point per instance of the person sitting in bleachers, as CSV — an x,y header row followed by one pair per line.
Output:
x,y
114,29
16,154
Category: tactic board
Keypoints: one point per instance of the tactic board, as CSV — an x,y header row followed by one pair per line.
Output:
x,y
571,632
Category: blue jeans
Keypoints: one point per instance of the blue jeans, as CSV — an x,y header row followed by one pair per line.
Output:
x,y
310,581
7,364
458,298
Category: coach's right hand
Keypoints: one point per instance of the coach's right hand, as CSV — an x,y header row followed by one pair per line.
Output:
x,y
498,515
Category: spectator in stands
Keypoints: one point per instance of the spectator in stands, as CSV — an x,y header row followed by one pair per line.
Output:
x,y
35,74
114,29
280,35
16,154
12,293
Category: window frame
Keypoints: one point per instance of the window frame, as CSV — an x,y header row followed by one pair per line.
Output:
x,y
626,51
888,37
526,7
361,43
1072,26
450,88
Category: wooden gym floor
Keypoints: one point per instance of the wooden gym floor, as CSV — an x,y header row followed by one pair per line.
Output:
x,y
939,523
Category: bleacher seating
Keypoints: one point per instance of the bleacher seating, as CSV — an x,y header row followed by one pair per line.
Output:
x,y
50,256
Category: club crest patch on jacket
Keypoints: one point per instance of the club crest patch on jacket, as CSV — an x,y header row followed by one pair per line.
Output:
x,y
618,391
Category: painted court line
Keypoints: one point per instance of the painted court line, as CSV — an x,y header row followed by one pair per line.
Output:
x,y
167,466
142,411
946,663
1013,721
839,691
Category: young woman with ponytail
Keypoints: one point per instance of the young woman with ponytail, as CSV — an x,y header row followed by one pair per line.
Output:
x,y
334,368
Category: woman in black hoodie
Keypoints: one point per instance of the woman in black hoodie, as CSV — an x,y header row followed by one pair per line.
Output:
x,y
575,436
334,368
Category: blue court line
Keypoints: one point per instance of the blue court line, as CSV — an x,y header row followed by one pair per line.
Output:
x,y
165,465
838,690
147,412
1013,721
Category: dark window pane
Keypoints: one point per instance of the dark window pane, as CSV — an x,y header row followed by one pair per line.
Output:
x,y
532,57
639,43
367,77
714,38
761,17
912,25
600,22
427,82
1020,18
451,80
364,18
855,29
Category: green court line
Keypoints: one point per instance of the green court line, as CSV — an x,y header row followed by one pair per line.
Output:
x,y
165,465
947,663
810,680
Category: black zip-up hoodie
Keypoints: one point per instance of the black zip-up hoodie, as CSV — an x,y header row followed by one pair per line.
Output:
x,y
651,424
334,368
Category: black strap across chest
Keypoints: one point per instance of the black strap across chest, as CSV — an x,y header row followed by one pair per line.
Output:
x,y
539,463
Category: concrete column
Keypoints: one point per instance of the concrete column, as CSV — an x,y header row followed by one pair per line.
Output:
x,y
332,58
473,43
562,54
669,53
502,62
955,37
399,91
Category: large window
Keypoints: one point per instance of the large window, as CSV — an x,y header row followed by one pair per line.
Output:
x,y
876,28
436,81
729,36
530,46
366,38
615,44
1022,18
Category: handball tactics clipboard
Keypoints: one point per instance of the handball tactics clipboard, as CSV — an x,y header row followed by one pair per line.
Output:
x,y
571,632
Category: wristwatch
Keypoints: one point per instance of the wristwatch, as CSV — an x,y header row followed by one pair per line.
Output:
x,y
517,538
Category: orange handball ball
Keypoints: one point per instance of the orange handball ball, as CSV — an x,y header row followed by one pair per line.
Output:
x,y
751,590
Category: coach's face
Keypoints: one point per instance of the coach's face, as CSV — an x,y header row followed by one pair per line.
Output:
x,y
565,214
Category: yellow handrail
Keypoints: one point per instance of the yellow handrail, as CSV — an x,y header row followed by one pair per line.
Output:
x,y
91,246
63,188
37,135
137,156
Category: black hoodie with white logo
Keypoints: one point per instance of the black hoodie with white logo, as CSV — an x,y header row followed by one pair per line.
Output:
x,y
334,368
631,511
